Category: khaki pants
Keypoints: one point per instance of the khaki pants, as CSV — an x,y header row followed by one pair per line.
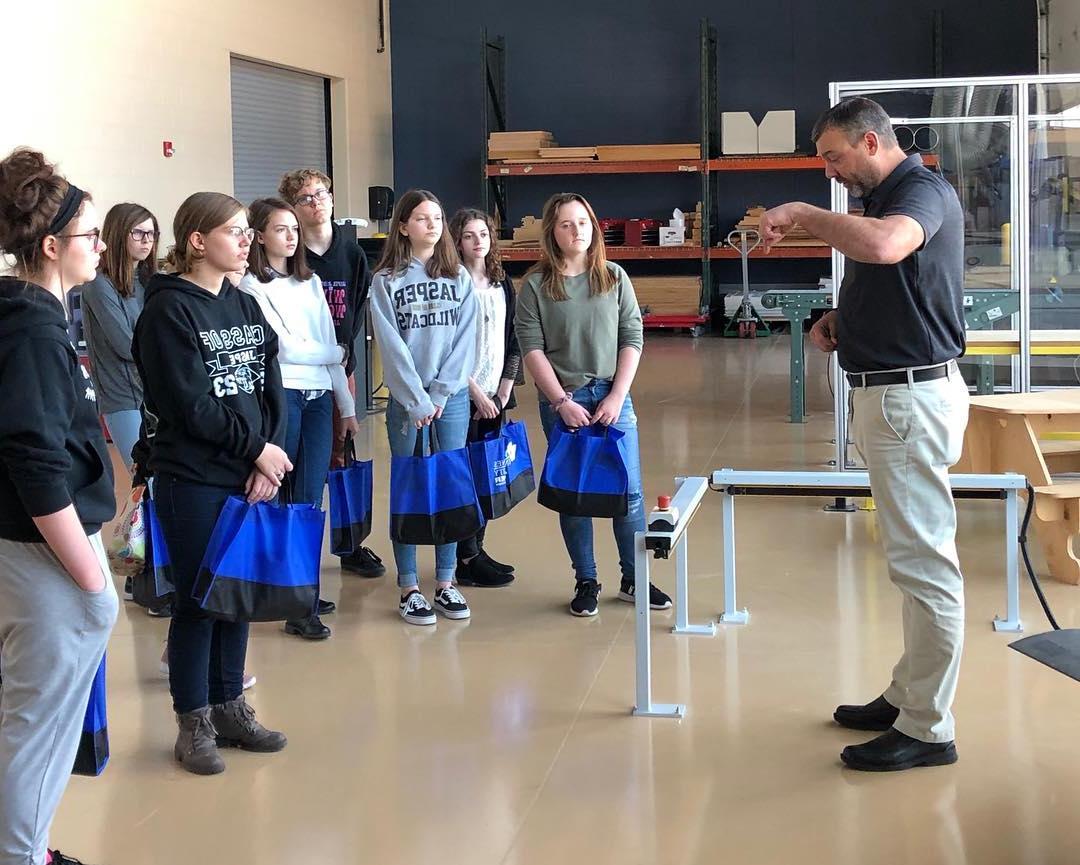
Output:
x,y
909,435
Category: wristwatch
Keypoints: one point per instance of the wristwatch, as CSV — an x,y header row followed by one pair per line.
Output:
x,y
566,397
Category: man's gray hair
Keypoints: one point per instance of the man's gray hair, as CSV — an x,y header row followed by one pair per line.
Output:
x,y
855,117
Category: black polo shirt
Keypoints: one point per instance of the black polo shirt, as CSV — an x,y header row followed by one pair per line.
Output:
x,y
892,316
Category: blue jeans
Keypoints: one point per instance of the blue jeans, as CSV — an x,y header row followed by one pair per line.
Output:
x,y
123,429
308,444
577,532
206,656
451,430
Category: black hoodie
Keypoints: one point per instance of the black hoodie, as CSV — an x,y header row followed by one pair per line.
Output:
x,y
210,374
52,452
343,270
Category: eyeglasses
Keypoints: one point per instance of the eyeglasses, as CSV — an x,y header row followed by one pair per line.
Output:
x,y
94,235
236,232
140,236
309,200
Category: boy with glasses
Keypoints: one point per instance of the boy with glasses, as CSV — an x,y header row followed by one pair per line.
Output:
x,y
343,268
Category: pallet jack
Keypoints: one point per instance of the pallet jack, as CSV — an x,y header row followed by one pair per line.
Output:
x,y
746,323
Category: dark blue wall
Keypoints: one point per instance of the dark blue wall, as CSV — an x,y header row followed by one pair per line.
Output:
x,y
626,72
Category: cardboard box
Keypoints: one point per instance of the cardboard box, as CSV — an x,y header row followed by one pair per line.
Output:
x,y
670,236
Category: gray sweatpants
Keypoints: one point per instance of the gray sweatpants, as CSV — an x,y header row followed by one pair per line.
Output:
x,y
52,637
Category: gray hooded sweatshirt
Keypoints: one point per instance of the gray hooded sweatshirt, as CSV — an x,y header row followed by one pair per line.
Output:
x,y
426,330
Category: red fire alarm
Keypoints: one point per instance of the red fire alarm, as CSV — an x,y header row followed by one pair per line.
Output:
x,y
167,149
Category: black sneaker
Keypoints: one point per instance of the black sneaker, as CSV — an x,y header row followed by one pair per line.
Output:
x,y
414,609
451,603
479,573
129,589
58,858
657,600
499,566
363,563
584,601
310,628
162,610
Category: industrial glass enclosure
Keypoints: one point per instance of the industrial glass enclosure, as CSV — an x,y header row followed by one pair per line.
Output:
x,y
1010,147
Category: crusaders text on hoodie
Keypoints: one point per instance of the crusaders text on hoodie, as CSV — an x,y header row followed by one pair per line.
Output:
x,y
426,329
210,372
52,452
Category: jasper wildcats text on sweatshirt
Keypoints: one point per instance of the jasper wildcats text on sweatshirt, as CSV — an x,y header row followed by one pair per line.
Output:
x,y
426,330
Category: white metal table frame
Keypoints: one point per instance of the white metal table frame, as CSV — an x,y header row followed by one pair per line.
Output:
x,y
730,483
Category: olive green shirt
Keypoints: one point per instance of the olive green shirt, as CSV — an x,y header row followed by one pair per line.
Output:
x,y
582,335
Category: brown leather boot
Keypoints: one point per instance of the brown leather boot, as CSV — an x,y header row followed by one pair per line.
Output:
x,y
237,728
196,749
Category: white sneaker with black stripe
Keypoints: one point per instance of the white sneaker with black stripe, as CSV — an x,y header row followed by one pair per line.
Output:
x,y
451,603
414,609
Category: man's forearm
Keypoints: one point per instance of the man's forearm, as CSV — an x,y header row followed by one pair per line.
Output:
x,y
858,237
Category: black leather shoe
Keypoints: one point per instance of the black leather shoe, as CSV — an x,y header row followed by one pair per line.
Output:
x,y
877,715
893,751
310,628
477,572
499,566
363,563
326,607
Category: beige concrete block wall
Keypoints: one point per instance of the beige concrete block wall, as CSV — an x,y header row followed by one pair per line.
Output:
x,y
99,84
1064,36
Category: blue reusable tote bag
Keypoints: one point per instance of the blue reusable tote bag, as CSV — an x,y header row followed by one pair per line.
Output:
x,y
350,502
433,497
151,585
585,472
502,467
262,562
93,751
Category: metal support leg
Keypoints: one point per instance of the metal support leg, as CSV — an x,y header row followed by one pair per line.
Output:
x,y
731,615
682,594
797,372
985,381
643,646
1011,622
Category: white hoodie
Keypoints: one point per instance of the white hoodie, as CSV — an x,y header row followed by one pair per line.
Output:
x,y
308,353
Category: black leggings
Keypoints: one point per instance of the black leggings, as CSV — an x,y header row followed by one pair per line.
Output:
x,y
206,656
470,547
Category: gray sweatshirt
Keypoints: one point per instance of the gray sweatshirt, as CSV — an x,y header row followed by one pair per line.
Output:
x,y
109,323
426,330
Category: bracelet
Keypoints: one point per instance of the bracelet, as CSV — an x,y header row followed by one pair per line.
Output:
x,y
566,397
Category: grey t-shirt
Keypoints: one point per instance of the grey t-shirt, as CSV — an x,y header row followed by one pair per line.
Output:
x,y
582,335
909,314
109,324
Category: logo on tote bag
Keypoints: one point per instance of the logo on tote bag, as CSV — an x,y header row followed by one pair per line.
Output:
x,y
501,468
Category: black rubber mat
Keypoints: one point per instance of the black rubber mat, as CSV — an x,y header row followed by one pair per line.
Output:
x,y
1059,650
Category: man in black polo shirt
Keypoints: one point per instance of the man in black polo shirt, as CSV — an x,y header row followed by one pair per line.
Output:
x,y
898,329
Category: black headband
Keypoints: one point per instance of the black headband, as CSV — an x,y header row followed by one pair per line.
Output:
x,y
68,208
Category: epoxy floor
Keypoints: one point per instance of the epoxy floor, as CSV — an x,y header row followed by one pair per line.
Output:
x,y
508,739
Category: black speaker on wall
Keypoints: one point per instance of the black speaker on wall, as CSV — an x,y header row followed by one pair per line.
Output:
x,y
380,202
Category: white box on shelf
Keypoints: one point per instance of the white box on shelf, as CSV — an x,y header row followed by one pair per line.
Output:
x,y
776,134
670,236
738,133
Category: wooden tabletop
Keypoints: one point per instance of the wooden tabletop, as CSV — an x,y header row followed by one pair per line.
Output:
x,y
1064,401
1012,337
